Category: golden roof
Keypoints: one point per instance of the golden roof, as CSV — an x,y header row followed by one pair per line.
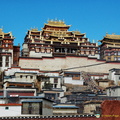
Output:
x,y
34,29
57,23
78,33
1,32
112,36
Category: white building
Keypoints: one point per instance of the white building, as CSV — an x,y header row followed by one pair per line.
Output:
x,y
10,109
65,109
114,74
73,78
113,91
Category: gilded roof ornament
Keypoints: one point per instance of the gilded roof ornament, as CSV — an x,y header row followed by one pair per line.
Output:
x,y
1,30
106,33
77,32
34,29
59,23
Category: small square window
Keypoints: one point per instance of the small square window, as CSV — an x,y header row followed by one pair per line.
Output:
x,y
20,76
6,108
31,77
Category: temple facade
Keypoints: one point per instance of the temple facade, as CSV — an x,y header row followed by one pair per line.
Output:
x,y
110,47
9,53
55,40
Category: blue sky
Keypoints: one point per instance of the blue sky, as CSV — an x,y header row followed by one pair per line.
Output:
x,y
93,17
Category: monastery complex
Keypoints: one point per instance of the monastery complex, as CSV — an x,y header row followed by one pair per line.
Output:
x,y
58,72
55,48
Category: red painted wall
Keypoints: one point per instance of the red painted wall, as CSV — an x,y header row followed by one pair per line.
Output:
x,y
110,110
21,93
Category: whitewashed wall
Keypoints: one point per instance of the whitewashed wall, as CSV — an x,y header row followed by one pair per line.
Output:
x,y
68,80
11,111
39,54
58,63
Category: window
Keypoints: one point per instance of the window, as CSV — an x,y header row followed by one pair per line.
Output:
x,y
119,58
108,54
93,53
55,80
76,75
115,53
7,64
0,61
55,86
31,77
109,58
0,42
32,108
7,61
20,76
6,108
0,64
0,58
115,58
37,50
6,45
118,53
7,58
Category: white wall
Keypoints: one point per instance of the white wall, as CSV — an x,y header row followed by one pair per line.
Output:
x,y
63,99
114,77
74,82
11,111
2,101
12,71
113,91
58,63
39,54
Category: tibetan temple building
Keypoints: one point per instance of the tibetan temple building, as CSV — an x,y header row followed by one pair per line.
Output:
x,y
9,53
55,40
110,47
